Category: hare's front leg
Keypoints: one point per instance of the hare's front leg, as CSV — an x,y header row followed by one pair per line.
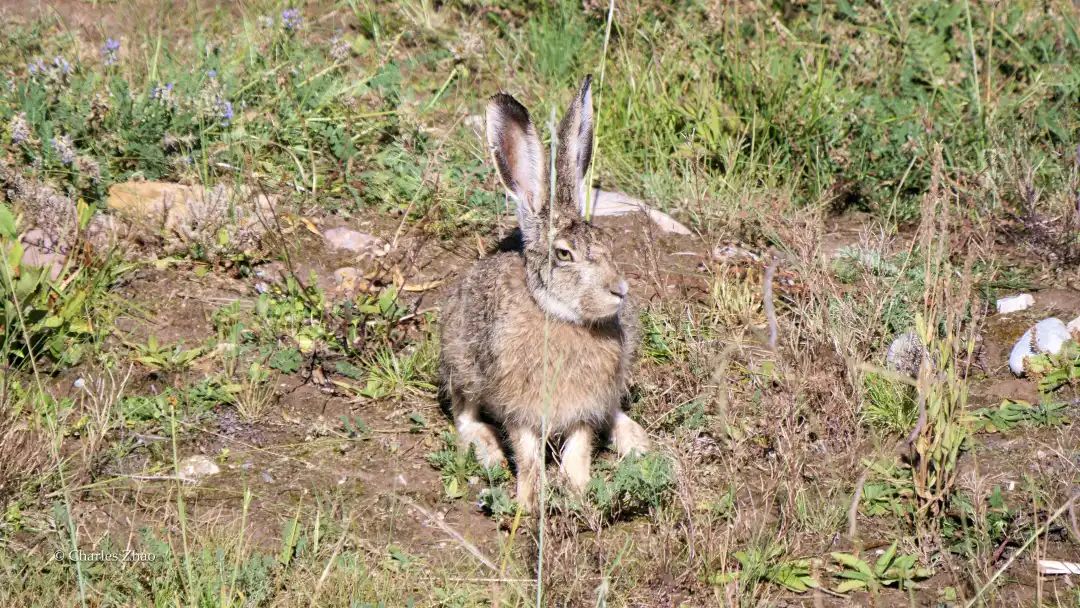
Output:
x,y
529,458
627,435
475,431
577,457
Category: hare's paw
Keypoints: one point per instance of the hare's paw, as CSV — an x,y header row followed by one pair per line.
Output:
x,y
628,436
528,457
483,439
577,458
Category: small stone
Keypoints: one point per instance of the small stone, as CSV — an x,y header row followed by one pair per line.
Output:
x,y
1023,349
1015,303
350,280
1047,336
905,354
605,202
40,258
476,123
197,467
1050,335
1074,328
354,240
266,477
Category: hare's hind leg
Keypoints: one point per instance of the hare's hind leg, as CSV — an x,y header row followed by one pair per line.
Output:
x,y
627,435
475,431
577,457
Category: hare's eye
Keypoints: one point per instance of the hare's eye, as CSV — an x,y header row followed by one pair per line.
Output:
x,y
563,255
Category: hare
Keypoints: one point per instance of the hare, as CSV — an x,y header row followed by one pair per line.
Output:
x,y
541,340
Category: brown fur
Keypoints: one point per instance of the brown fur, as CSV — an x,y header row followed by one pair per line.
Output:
x,y
541,339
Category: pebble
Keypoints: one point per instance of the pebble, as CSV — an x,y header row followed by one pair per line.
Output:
x,y
1047,336
197,467
1015,303
354,240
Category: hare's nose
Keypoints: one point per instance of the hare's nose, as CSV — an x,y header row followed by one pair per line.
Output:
x,y
620,289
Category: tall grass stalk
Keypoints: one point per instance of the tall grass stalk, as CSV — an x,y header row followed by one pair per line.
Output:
x,y
551,375
949,338
56,435
180,506
596,112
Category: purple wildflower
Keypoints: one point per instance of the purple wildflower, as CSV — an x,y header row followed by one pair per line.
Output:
x,y
20,130
162,93
62,66
36,67
340,49
291,19
64,149
211,73
110,52
225,111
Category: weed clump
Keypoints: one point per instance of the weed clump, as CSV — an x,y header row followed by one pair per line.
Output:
x,y
634,484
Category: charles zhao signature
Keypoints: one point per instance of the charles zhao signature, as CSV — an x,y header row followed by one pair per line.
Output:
x,y
128,555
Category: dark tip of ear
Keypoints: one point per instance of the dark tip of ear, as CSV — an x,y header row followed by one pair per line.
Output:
x,y
509,108
585,84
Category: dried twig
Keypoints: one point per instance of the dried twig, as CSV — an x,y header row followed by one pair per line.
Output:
x,y
770,307
465,544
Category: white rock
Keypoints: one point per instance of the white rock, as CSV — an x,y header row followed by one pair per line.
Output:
x,y
354,240
605,202
1015,303
194,468
1074,328
1048,336
1020,351
905,354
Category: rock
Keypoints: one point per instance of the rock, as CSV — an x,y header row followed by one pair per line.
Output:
x,y
197,467
905,354
477,124
153,204
605,202
1050,335
354,241
1047,336
1015,303
40,250
350,280
734,252
1023,349
105,231
189,212
1074,328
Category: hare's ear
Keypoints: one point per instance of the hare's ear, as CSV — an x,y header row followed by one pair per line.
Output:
x,y
575,148
517,154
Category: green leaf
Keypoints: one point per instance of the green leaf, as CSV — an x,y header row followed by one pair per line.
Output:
x,y
348,370
853,562
723,578
850,585
287,360
8,228
886,559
